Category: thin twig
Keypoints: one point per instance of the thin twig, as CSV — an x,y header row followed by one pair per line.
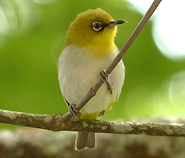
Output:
x,y
92,91
57,123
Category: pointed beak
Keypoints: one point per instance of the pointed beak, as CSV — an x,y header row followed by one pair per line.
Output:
x,y
115,22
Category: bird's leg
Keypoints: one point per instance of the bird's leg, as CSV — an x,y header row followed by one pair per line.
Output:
x,y
105,77
73,111
101,114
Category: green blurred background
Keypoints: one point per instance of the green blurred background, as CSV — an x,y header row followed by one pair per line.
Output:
x,y
32,34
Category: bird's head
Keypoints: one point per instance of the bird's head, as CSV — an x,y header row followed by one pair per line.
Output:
x,y
95,30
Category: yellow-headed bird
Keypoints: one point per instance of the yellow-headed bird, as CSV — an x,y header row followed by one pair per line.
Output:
x,y
89,49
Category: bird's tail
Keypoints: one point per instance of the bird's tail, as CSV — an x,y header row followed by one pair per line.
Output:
x,y
85,140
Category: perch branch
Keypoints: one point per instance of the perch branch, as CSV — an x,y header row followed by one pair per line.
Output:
x,y
56,123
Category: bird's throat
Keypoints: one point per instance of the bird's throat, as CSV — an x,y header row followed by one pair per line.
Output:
x,y
101,49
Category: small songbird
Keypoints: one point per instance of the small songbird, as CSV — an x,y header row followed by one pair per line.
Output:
x,y
89,49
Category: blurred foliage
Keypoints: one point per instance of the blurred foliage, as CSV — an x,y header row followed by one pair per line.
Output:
x,y
33,38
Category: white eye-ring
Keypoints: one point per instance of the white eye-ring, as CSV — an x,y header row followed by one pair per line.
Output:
x,y
97,26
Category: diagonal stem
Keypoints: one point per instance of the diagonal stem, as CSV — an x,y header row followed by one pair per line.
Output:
x,y
140,26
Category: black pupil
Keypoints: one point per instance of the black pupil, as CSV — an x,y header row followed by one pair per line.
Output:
x,y
97,25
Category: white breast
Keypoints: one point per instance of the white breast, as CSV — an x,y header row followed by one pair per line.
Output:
x,y
78,71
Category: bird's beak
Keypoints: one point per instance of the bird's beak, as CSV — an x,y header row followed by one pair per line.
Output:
x,y
115,22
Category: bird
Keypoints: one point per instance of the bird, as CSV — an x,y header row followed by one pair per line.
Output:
x,y
88,51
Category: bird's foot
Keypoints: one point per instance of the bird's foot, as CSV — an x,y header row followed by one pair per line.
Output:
x,y
74,112
105,77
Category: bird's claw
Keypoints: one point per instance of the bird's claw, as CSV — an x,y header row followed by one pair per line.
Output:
x,y
105,77
74,112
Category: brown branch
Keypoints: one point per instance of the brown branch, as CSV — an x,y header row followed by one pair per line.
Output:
x,y
93,90
56,123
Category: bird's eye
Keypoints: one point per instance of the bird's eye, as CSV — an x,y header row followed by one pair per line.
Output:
x,y
97,26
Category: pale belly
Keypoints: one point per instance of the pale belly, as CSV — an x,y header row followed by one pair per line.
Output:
x,y
78,72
